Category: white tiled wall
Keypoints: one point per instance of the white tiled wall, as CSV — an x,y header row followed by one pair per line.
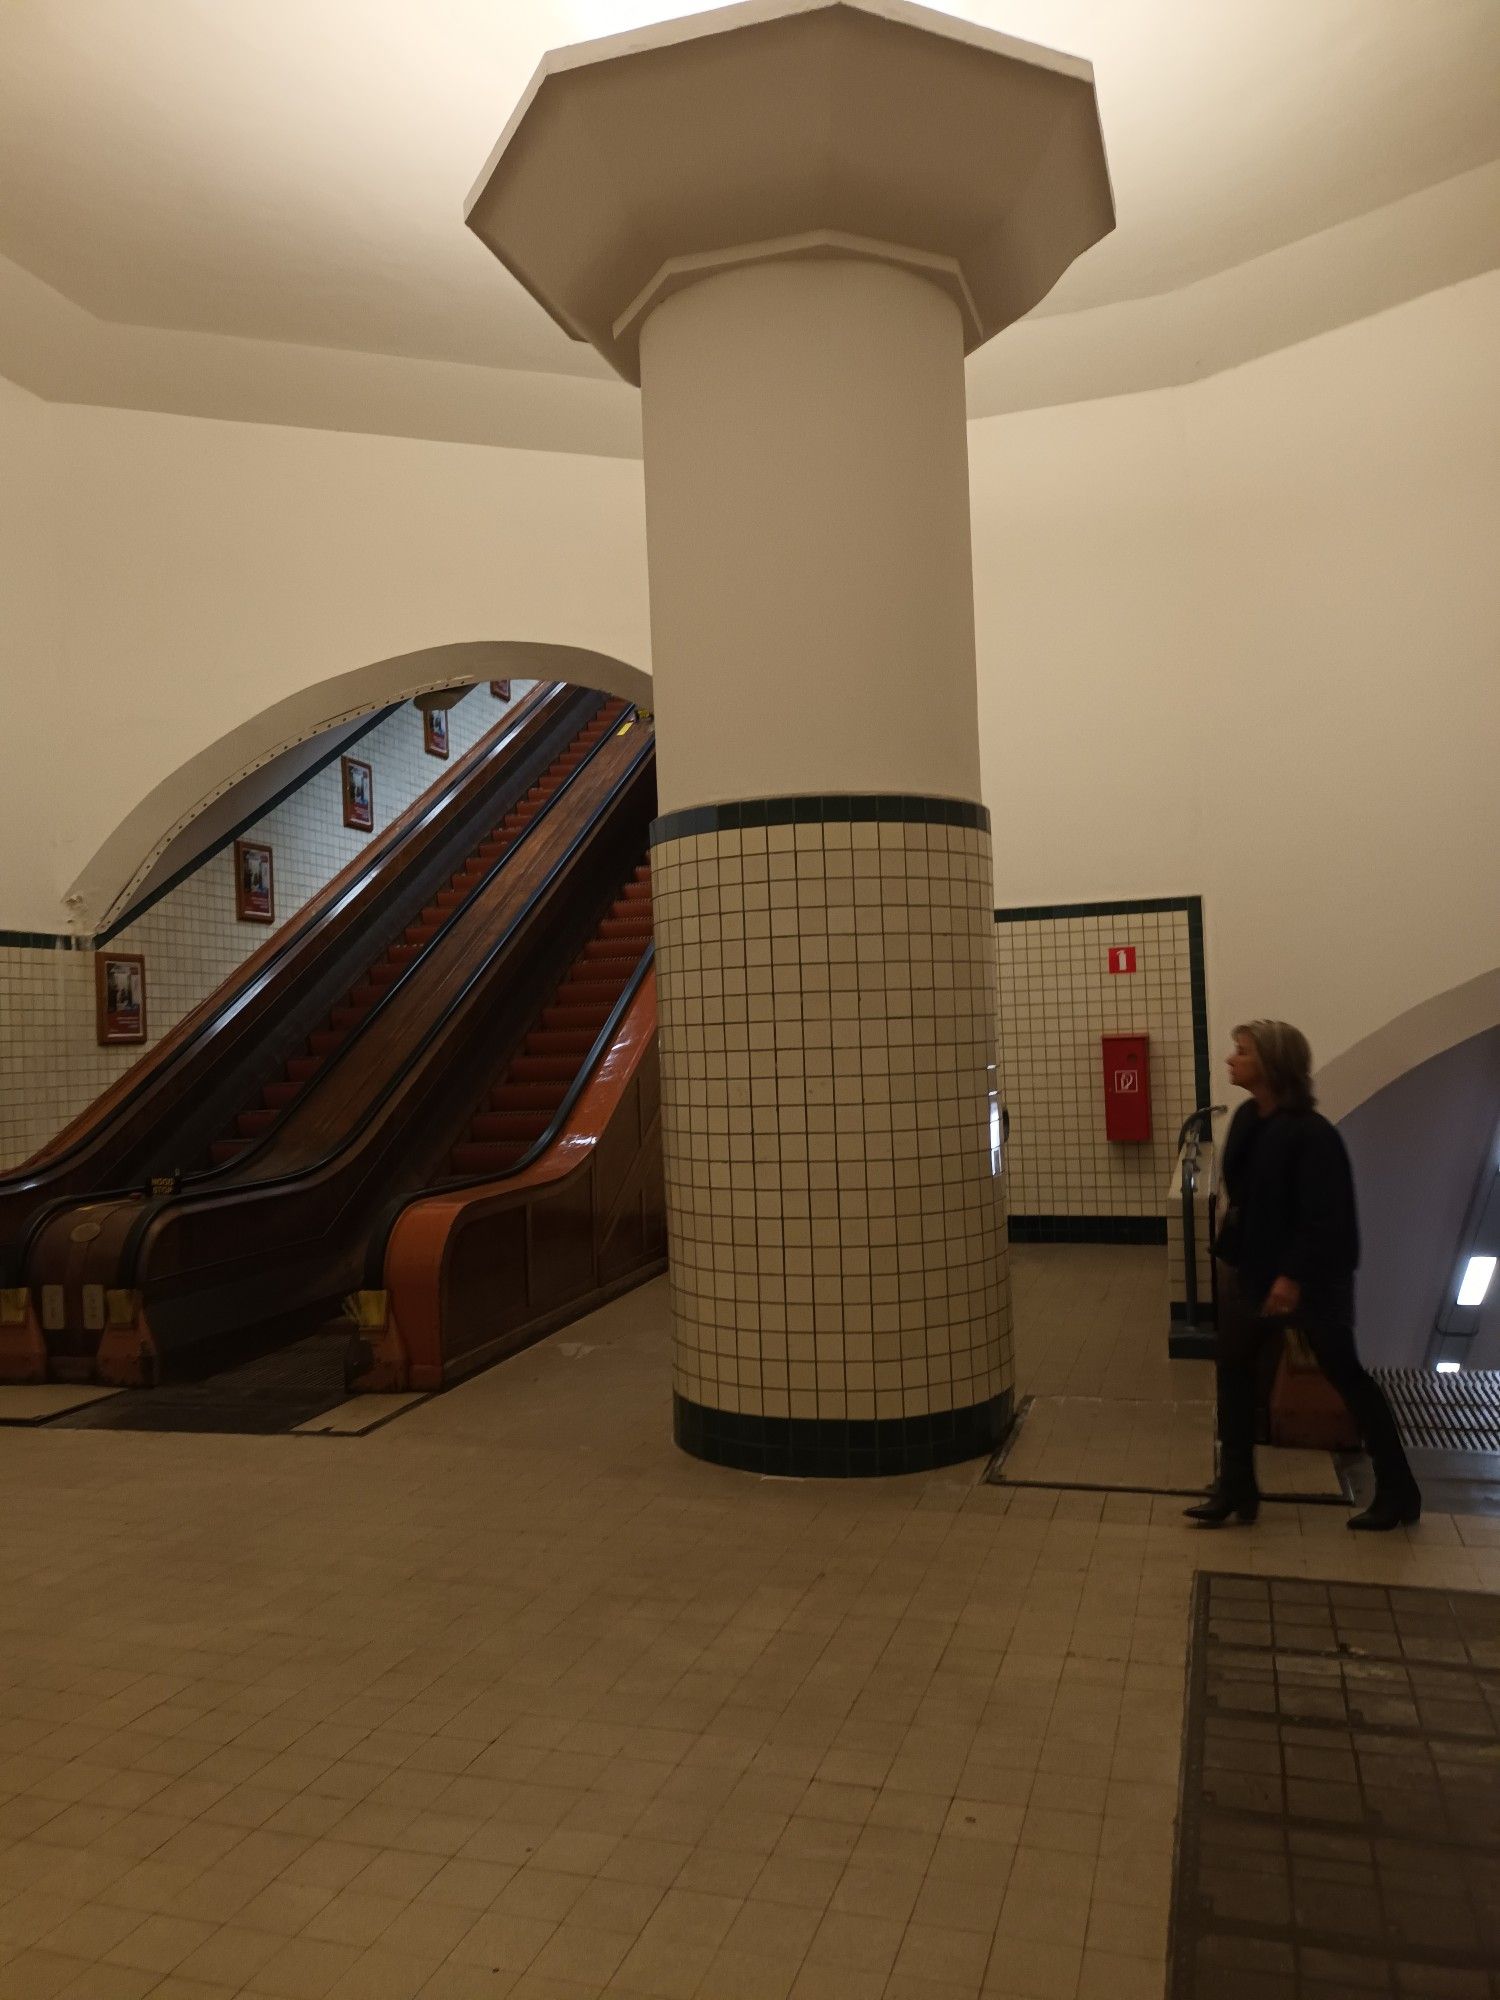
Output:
x,y
50,1066
1057,997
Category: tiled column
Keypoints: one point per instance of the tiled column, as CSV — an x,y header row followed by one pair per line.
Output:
x,y
838,1275
790,226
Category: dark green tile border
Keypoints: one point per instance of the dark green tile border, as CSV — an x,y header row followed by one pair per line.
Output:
x,y
1088,1228
840,1447
1192,908
815,807
45,941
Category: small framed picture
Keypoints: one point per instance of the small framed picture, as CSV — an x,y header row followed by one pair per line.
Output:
x,y
359,795
435,731
500,690
254,892
119,998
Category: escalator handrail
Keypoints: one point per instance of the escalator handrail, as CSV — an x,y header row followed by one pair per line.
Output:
x,y
47,1212
373,1013
292,936
153,1207
61,1204
380,1236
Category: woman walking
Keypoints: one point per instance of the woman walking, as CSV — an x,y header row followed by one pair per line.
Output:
x,y
1287,1251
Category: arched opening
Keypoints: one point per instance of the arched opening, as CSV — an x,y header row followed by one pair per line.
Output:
x,y
1419,1145
106,886
1412,1038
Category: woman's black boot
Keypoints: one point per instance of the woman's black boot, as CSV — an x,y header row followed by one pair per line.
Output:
x,y
1224,1505
1399,1509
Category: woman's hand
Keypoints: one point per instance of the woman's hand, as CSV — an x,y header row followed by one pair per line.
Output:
x,y
1284,1297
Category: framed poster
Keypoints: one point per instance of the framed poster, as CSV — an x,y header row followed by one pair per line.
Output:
x,y
119,998
435,731
500,690
359,794
254,890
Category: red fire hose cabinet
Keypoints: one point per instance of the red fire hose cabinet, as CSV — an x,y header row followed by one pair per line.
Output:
x,y
1127,1087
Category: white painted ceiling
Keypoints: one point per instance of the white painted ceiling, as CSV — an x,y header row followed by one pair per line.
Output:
x,y
293,171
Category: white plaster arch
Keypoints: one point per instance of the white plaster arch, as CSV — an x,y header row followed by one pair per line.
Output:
x,y
105,886
1429,1029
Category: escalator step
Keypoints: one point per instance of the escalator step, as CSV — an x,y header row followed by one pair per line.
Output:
x,y
387,972
586,993
251,1124
584,1020
525,1126
277,1096
559,1042
301,1068
222,1151
522,1096
347,1016
364,995
540,1069
324,1041
477,1158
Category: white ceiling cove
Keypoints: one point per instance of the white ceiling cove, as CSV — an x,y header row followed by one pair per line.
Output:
x,y
256,210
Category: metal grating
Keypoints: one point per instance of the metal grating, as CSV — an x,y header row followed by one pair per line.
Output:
x,y
261,1396
1445,1412
1340,1822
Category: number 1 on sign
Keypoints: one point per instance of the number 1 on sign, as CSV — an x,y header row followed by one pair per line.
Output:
x,y
1122,958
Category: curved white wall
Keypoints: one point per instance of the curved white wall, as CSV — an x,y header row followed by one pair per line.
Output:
x,y
1240,638
203,574
1236,638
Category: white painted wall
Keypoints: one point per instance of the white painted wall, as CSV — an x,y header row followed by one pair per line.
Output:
x,y
227,585
1240,638
1236,638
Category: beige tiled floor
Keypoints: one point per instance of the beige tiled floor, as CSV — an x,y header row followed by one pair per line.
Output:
x,y
509,1698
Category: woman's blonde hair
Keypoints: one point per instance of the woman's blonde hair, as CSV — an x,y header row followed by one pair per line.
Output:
x,y
1285,1061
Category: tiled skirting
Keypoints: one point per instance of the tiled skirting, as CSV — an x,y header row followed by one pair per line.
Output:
x,y
1088,1229
837,1447
827,1005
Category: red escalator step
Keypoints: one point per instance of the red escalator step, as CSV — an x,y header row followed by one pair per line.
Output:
x,y
586,993
580,1020
222,1151
324,1041
521,1096
347,1016
526,1127
559,1042
301,1068
277,1096
540,1069
251,1124
477,1158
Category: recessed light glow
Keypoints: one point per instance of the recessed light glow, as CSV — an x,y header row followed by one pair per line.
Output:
x,y
1476,1281
1449,1367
